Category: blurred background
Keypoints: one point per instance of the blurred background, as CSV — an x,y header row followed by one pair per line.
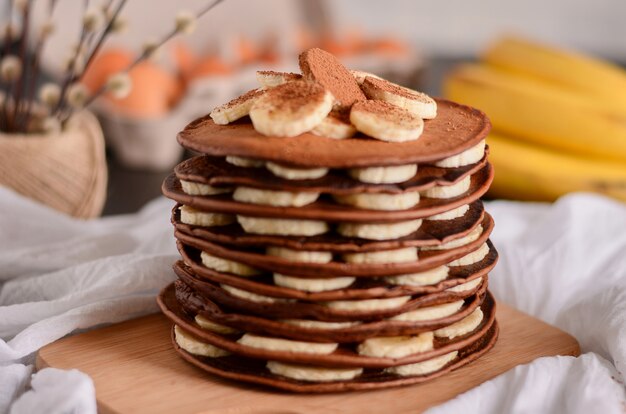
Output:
x,y
557,116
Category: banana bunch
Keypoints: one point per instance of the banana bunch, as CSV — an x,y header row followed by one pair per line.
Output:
x,y
559,119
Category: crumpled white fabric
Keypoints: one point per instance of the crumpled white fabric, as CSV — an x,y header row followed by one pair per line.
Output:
x,y
564,263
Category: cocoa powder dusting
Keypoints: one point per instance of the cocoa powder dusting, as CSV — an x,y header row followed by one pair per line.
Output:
x,y
324,68
252,94
385,111
293,95
289,76
387,86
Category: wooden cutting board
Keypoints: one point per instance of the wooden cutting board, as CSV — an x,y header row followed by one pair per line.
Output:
x,y
135,370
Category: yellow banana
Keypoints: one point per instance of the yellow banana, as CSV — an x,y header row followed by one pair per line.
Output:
x,y
538,111
529,172
577,72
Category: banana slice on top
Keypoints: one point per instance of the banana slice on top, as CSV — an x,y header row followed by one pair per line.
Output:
x,y
237,108
360,75
385,121
336,125
291,109
270,79
415,102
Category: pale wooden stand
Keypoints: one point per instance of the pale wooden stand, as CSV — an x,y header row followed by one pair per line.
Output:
x,y
135,370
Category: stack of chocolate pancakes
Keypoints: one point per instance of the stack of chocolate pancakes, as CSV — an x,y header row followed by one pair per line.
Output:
x,y
332,235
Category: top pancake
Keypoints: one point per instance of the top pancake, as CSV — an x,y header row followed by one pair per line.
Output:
x,y
455,129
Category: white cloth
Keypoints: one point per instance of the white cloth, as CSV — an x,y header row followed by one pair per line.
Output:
x,y
564,263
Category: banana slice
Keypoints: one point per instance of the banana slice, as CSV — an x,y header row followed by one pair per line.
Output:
x,y
466,286
252,297
450,214
380,201
311,324
282,227
336,126
190,344
274,198
209,325
286,345
386,122
191,216
429,313
237,108
291,109
306,256
384,175
227,266
368,304
396,346
270,79
415,102
461,241
192,188
403,255
295,173
382,231
422,368
244,162
360,75
467,157
312,285
462,327
429,277
313,374
448,191
472,257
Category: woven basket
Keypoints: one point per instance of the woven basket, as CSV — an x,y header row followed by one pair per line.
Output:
x,y
66,171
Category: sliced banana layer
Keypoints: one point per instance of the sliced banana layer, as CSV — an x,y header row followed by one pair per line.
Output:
x,y
429,313
380,201
295,173
386,122
384,175
403,255
190,344
192,188
335,126
291,109
448,191
193,217
397,346
423,368
310,373
227,266
415,102
312,285
466,286
310,324
368,304
282,227
209,325
467,157
286,345
306,256
244,162
274,198
472,257
237,108
429,277
270,79
461,241
462,327
360,75
450,214
381,231
252,297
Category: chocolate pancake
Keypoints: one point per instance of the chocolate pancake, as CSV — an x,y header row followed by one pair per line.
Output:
x,y
430,233
428,259
286,309
326,209
345,355
253,370
192,303
455,129
215,171
362,288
